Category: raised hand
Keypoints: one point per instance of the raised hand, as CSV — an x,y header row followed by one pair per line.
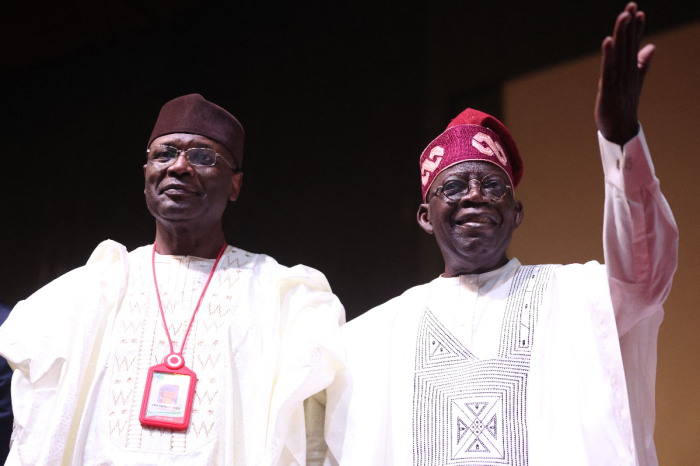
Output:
x,y
622,72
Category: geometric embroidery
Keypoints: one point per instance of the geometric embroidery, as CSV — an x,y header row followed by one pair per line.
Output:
x,y
481,438
477,407
524,299
461,430
437,350
468,411
477,447
436,347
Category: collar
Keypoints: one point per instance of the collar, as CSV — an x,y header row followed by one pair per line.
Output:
x,y
505,272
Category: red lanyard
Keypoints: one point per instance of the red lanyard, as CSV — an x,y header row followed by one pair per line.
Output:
x,y
175,360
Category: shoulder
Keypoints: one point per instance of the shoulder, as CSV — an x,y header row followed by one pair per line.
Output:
x,y
268,269
381,318
587,281
292,288
260,264
107,262
141,253
237,258
591,271
63,301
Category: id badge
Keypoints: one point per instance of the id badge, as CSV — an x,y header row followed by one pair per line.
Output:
x,y
167,400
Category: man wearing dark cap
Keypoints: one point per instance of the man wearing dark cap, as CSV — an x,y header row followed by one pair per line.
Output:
x,y
185,351
497,363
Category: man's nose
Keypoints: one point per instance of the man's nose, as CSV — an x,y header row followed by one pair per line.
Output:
x,y
473,193
181,165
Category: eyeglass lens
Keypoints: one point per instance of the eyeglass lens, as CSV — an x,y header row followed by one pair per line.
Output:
x,y
196,156
491,187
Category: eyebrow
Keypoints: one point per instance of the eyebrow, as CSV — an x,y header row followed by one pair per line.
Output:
x,y
198,145
479,175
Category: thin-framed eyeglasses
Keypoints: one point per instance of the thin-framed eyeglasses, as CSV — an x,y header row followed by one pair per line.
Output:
x,y
164,155
490,186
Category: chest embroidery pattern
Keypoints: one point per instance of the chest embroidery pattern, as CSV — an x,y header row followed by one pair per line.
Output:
x,y
139,342
470,411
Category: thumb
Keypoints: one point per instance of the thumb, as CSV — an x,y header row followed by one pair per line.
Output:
x,y
644,58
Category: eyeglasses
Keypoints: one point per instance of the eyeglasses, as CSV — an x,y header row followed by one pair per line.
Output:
x,y
490,186
197,156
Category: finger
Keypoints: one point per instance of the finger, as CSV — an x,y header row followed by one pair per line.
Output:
x,y
641,22
607,63
632,43
620,40
632,47
644,58
620,24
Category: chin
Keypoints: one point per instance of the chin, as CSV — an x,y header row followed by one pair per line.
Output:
x,y
175,213
168,208
473,244
479,251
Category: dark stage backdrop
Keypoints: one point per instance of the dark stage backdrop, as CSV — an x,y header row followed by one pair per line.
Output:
x,y
337,100
329,99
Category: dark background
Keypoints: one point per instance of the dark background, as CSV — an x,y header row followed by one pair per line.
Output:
x,y
337,99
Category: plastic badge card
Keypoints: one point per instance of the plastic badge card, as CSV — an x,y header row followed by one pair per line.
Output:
x,y
167,400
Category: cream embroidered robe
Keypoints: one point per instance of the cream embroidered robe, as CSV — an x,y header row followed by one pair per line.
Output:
x,y
540,365
265,338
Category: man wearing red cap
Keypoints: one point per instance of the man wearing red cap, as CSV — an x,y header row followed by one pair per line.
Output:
x,y
496,363
186,351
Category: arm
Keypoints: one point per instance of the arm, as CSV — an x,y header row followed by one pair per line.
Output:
x,y
315,416
310,354
52,341
640,236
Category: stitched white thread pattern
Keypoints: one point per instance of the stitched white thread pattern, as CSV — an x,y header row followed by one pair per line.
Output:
x,y
139,342
468,411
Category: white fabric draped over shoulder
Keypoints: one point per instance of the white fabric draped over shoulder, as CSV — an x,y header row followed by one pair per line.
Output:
x,y
283,346
52,340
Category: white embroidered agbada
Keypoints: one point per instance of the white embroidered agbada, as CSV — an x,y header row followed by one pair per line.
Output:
x,y
541,365
265,338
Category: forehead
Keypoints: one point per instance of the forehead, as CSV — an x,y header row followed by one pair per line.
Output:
x,y
471,169
187,141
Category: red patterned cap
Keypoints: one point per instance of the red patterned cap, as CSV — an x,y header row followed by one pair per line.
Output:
x,y
473,135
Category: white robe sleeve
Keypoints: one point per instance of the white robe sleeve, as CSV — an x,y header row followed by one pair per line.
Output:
x,y
310,354
641,254
640,237
51,340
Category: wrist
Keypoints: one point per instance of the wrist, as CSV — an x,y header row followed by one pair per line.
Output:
x,y
622,135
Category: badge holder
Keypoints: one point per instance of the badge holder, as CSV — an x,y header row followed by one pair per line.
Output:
x,y
167,400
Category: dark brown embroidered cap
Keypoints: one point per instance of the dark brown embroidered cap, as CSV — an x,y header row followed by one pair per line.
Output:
x,y
194,114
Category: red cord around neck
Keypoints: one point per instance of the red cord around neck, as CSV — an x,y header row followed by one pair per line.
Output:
x,y
160,305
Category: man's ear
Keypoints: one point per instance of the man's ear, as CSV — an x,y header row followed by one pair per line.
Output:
x,y
519,213
236,183
424,218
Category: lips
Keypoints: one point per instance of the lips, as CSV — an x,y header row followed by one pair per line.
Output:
x,y
177,189
476,219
